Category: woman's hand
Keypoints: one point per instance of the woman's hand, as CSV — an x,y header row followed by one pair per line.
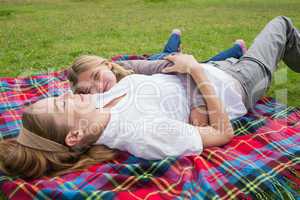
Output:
x,y
183,63
199,116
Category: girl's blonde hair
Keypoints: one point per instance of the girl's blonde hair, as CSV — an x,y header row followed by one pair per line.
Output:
x,y
17,159
88,62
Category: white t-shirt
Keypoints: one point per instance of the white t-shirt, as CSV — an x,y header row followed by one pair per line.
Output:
x,y
151,121
228,89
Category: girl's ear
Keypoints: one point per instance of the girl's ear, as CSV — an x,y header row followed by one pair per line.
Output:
x,y
109,65
74,138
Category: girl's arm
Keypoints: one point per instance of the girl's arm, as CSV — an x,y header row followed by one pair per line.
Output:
x,y
219,130
147,67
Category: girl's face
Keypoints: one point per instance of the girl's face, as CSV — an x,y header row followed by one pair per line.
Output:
x,y
97,80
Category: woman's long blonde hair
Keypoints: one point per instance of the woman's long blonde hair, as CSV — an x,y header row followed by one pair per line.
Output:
x,y
16,159
88,62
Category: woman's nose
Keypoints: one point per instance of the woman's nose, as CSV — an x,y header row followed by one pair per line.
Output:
x,y
68,95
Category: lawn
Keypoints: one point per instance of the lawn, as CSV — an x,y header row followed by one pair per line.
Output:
x,y
37,36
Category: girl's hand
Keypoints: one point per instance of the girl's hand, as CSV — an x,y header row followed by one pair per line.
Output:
x,y
183,63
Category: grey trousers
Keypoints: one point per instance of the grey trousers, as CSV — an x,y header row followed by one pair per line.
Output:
x,y
279,40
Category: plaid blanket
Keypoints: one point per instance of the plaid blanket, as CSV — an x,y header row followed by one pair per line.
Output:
x,y
261,162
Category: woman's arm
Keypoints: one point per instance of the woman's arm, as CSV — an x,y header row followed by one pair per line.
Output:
x,y
219,130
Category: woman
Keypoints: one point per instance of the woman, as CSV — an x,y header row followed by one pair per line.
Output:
x,y
56,131
62,137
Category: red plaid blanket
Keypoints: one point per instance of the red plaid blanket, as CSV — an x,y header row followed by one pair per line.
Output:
x,y
261,162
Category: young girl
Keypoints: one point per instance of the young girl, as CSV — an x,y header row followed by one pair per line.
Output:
x,y
92,74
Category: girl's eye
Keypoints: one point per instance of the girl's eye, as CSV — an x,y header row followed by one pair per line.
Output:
x,y
97,76
82,91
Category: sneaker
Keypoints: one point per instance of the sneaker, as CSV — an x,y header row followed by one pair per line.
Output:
x,y
242,45
176,31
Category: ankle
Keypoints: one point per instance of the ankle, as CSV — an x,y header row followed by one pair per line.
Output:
x,y
242,44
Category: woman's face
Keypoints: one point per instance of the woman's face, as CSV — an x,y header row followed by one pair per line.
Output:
x,y
77,112
69,107
97,80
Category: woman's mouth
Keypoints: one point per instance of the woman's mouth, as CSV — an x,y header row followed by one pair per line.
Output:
x,y
81,97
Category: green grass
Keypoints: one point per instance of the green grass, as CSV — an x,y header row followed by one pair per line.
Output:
x,y
46,35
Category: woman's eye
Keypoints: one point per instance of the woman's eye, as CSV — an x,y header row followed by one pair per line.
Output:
x,y
61,104
87,91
